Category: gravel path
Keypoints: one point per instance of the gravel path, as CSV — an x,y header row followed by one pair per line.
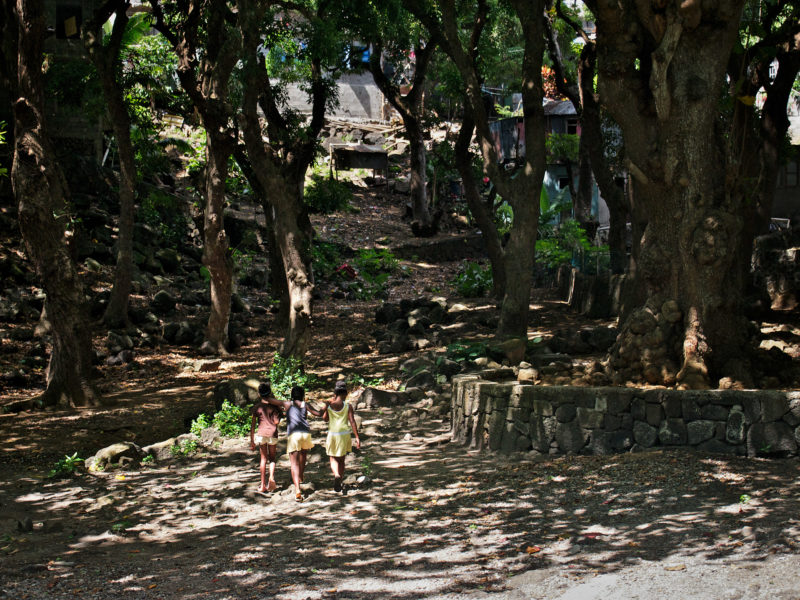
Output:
x,y
435,522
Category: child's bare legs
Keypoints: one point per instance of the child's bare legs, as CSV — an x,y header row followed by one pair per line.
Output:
x,y
303,459
263,467
337,468
272,451
297,474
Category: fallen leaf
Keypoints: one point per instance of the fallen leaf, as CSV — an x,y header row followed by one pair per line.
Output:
x,y
533,549
633,544
120,477
680,567
151,586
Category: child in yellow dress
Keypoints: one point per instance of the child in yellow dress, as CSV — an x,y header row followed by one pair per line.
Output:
x,y
340,417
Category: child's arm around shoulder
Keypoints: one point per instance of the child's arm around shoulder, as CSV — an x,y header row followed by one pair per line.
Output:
x,y
280,403
317,412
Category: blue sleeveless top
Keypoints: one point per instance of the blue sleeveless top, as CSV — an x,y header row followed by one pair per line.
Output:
x,y
296,419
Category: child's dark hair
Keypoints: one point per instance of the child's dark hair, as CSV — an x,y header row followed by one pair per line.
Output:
x,y
298,393
340,387
265,389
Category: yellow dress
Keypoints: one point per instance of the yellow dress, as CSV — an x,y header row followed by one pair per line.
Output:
x,y
338,442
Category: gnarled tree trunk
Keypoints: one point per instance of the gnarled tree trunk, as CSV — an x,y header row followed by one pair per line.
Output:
x,y
107,62
216,256
660,72
479,209
40,189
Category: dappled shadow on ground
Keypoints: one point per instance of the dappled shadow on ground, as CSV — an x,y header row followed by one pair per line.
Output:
x,y
436,520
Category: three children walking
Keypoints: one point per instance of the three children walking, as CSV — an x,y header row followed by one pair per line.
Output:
x,y
266,415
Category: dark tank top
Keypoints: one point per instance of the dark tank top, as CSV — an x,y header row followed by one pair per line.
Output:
x,y
296,419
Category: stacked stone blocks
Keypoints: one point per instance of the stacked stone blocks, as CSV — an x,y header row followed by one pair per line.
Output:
x,y
511,416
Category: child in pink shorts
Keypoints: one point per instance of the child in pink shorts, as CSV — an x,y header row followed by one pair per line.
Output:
x,y
266,417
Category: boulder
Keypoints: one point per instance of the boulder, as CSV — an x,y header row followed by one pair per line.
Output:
x,y
163,302
377,398
423,379
113,454
241,392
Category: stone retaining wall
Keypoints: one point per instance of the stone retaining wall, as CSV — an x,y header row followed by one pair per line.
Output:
x,y
512,416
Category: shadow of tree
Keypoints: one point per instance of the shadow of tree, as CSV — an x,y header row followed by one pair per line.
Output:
x,y
435,520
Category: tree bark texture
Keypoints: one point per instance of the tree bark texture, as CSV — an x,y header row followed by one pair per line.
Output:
x,y
41,191
207,53
216,254
478,207
660,72
279,165
106,60
523,190
586,102
410,107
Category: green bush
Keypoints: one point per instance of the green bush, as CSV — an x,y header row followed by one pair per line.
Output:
x,y
186,447
325,259
567,244
200,423
374,267
66,466
231,421
473,280
376,261
324,195
163,213
286,372
461,351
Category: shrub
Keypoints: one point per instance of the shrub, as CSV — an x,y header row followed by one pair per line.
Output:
x,y
374,267
567,244
376,261
326,258
461,351
163,213
231,421
185,448
66,466
473,280
324,196
200,423
286,372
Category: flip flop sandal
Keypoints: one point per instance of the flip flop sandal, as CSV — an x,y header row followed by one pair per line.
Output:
x,y
337,484
298,497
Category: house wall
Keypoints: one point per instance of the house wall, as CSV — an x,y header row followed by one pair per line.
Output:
x,y
359,98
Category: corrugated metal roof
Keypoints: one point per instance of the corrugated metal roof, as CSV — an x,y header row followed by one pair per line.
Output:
x,y
558,107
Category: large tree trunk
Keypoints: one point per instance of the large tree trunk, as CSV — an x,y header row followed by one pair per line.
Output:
x,y
293,233
423,223
106,61
410,109
216,256
479,209
690,329
583,199
40,189
205,64
277,276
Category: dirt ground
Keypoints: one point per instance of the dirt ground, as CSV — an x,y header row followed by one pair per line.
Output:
x,y
432,521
